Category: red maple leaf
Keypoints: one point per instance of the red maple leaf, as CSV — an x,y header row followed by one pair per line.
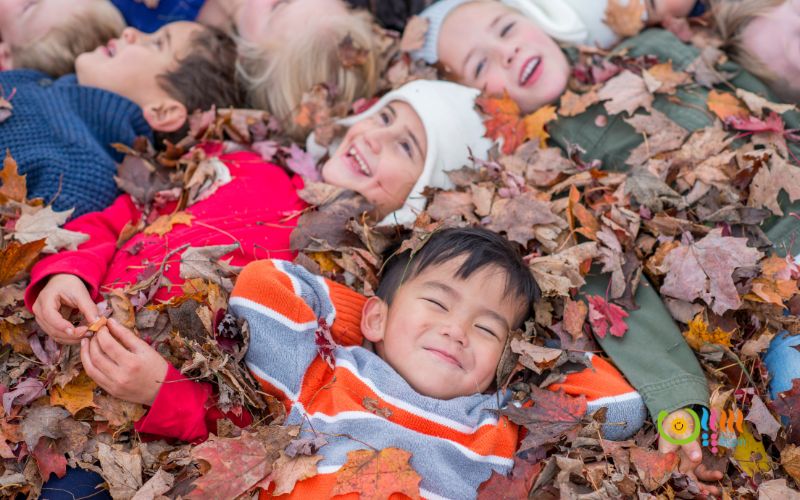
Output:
x,y
603,315
504,121
325,343
515,485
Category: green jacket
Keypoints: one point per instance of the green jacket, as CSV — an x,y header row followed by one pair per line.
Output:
x,y
653,354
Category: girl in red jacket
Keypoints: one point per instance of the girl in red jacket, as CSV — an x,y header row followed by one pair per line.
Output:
x,y
389,154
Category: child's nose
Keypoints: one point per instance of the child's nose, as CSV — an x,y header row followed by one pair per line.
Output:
x,y
130,35
374,140
456,332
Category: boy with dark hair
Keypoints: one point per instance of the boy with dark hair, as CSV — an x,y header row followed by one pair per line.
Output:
x,y
61,131
432,341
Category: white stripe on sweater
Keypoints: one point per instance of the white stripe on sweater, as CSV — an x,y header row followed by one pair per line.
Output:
x,y
363,415
273,381
439,419
273,315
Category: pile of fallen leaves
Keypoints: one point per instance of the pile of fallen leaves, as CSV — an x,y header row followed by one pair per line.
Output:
x,y
686,214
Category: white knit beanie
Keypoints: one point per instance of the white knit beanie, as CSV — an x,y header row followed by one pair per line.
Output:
x,y
453,130
435,14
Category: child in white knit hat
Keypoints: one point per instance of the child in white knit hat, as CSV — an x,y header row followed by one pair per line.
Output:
x,y
404,143
512,45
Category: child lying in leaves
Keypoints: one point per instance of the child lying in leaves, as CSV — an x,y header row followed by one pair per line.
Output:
x,y
433,337
61,132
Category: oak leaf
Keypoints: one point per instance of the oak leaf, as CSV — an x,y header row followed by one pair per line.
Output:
x,y
624,20
552,415
377,474
626,92
704,270
44,224
606,317
654,468
13,185
164,223
76,395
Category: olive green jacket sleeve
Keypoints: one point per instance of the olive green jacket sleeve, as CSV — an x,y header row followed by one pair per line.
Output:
x,y
653,354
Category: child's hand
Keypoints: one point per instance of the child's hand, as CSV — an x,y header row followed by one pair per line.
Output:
x,y
123,364
690,455
64,290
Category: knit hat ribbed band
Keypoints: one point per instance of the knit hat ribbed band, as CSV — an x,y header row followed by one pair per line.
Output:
x,y
454,131
435,14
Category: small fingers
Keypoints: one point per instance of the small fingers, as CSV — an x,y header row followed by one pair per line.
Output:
x,y
50,319
100,359
704,473
115,351
91,369
693,451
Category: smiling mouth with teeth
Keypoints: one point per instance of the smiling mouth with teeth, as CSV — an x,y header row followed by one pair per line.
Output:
x,y
528,70
362,164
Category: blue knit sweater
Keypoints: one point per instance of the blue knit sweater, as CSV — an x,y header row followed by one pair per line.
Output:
x,y
60,133
141,17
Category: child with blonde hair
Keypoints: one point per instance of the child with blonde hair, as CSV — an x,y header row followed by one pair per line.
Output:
x,y
49,35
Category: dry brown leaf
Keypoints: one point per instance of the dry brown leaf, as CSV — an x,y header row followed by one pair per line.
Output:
x,y
726,105
533,356
769,182
378,474
662,135
16,258
286,471
518,217
669,78
758,104
13,185
575,312
414,34
573,104
44,224
559,272
121,470
790,461
625,20
626,92
164,223
764,421
76,395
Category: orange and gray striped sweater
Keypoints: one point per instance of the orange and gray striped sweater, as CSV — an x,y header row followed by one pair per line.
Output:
x,y
455,444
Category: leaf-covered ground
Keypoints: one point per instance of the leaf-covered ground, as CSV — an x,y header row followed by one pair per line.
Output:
x,y
687,215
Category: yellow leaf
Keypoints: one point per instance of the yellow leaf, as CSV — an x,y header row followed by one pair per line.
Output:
x,y
163,224
698,335
326,263
625,20
750,454
76,395
535,122
726,105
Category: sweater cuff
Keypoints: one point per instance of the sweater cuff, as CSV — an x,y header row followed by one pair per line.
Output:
x,y
675,393
349,304
179,409
77,265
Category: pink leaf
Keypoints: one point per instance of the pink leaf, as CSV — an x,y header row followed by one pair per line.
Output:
x,y
302,164
602,315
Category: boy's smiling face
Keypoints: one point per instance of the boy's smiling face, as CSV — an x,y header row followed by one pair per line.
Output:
x,y
381,157
489,46
130,65
445,335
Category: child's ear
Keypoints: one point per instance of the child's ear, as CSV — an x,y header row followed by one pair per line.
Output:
x,y
6,61
373,319
168,115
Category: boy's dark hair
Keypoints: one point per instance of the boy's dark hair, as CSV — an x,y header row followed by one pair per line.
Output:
x,y
204,78
481,247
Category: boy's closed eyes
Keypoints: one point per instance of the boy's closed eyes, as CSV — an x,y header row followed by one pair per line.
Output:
x,y
444,334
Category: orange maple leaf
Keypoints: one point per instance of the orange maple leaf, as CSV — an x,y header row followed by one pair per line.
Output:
x,y
377,474
16,258
624,20
164,223
726,105
505,122
13,185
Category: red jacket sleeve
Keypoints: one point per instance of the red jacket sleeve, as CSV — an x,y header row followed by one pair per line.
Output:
x,y
183,410
91,260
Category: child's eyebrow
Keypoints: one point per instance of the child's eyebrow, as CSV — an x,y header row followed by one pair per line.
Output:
x,y
168,37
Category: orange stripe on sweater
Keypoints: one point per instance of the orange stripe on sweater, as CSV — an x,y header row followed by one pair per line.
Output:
x,y
265,284
332,393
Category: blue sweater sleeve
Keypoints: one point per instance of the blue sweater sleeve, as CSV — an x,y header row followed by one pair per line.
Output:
x,y
143,18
